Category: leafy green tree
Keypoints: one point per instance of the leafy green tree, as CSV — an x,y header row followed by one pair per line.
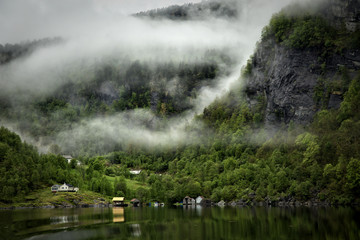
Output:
x,y
142,194
350,106
120,187
55,149
353,176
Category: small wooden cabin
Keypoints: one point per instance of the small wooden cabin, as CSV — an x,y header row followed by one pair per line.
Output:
x,y
119,202
135,202
206,203
189,201
199,199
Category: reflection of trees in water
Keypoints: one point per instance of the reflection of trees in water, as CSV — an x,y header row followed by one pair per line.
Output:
x,y
183,223
136,231
64,219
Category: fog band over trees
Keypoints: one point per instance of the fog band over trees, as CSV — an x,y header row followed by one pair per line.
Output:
x,y
97,36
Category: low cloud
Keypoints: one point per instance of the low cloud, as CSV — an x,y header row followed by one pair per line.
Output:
x,y
135,127
97,30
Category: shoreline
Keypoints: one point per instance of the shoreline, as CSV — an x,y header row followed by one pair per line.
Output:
x,y
57,206
296,204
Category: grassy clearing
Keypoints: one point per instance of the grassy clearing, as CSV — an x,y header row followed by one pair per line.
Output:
x,y
132,184
45,197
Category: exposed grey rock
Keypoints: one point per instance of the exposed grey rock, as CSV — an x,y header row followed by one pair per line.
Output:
x,y
335,101
344,12
233,204
222,203
284,79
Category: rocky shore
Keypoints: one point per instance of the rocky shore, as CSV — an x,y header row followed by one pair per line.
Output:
x,y
63,200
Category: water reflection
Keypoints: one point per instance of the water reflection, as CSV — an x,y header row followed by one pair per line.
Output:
x,y
118,214
136,231
181,223
194,208
64,219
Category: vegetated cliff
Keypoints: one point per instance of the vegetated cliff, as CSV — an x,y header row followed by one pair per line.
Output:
x,y
305,61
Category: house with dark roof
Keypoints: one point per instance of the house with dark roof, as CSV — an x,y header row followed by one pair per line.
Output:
x,y
135,202
55,188
189,201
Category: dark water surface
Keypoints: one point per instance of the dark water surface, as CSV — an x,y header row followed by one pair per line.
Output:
x,y
180,223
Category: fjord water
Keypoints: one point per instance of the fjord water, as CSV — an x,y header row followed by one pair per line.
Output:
x,y
180,223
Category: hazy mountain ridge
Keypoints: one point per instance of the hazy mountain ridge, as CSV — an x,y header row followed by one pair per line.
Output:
x,y
9,51
194,11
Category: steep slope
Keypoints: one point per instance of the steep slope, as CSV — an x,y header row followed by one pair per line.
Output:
x,y
305,70
305,61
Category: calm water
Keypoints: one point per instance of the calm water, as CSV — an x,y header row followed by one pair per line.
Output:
x,y
181,223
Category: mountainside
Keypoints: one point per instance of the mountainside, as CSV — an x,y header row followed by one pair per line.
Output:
x,y
287,133
104,88
98,95
305,61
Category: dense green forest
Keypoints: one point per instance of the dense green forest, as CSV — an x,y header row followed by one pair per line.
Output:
x,y
241,161
244,161
238,157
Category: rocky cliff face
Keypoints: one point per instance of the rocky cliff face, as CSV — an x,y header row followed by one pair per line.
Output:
x,y
286,80
345,12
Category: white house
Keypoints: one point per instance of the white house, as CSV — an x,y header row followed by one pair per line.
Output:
x,y
64,188
68,158
199,200
135,172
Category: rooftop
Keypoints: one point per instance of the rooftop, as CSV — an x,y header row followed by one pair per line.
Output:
x,y
118,199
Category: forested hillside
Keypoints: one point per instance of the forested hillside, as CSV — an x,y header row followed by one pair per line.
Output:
x,y
25,171
252,156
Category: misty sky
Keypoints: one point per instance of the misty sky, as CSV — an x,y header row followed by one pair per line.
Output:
x,y
22,20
